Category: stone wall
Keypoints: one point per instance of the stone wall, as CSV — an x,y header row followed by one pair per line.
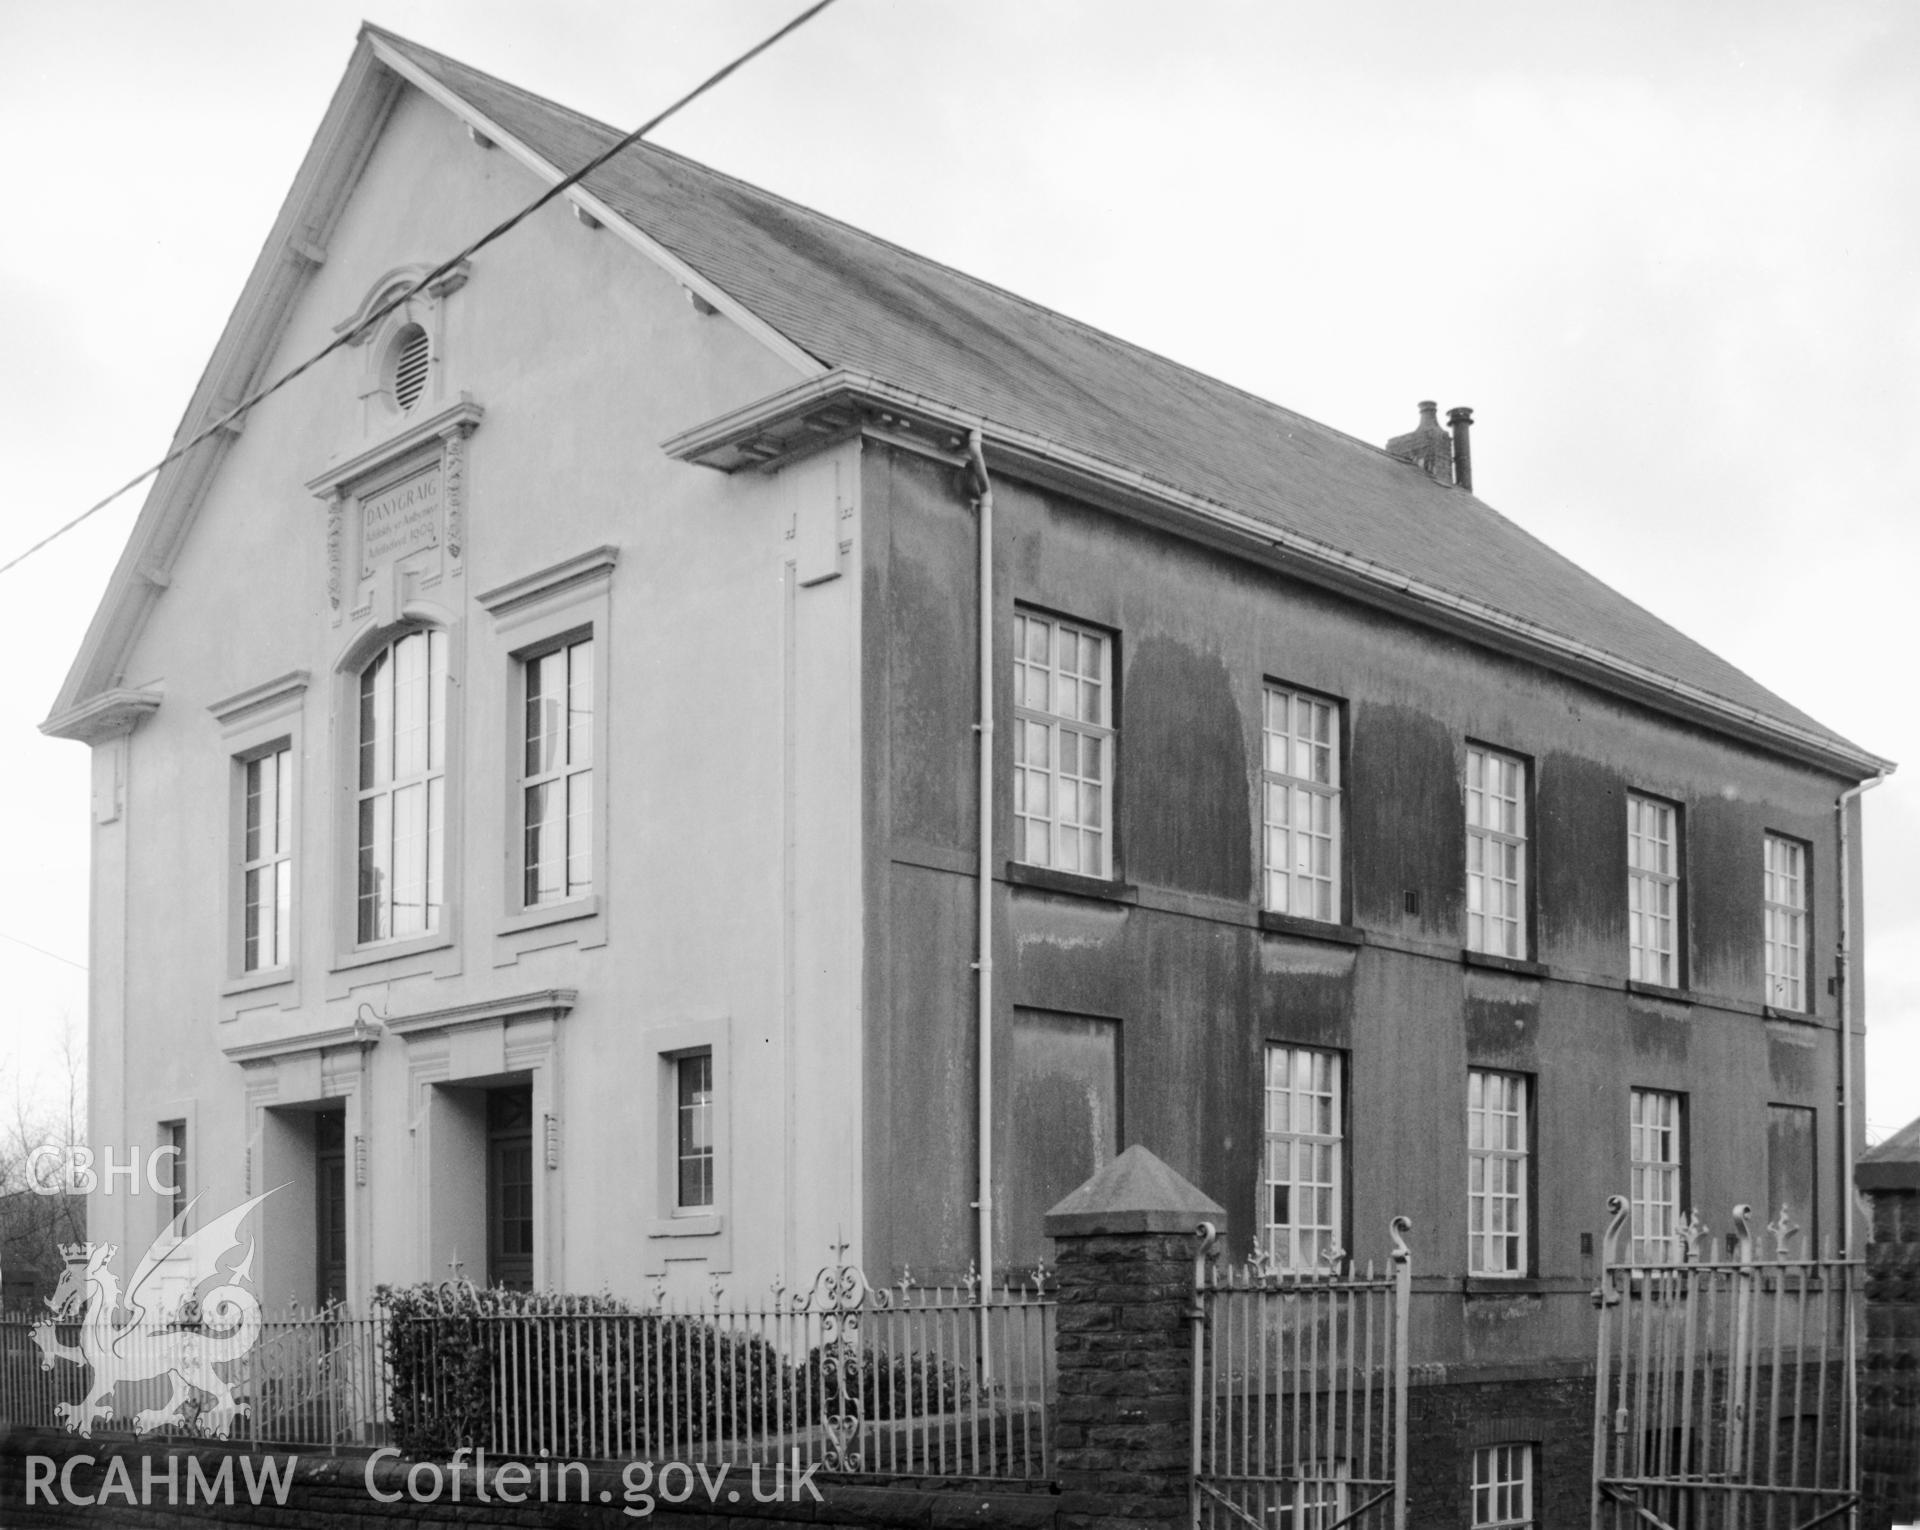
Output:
x,y
1890,1364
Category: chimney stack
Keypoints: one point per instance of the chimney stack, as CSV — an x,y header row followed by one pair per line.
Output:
x,y
1430,448
1460,421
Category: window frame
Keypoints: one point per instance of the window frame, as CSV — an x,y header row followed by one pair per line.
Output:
x,y
534,615
279,860
563,646
1297,787
1672,1169
255,723
1671,971
691,1232
349,953
1519,1197
1799,993
1493,1481
1520,921
1104,731
1330,1234
1317,1496
693,1116
439,730
175,1133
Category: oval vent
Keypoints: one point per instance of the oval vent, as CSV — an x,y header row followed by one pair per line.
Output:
x,y
410,366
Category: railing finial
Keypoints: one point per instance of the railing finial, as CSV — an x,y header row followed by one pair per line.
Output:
x,y
1397,1230
1743,1233
1619,1209
1692,1233
1784,1229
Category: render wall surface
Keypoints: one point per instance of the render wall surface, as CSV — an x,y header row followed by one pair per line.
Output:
x,y
723,907
1172,960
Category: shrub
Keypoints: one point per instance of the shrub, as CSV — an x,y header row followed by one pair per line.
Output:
x,y
886,1385
463,1373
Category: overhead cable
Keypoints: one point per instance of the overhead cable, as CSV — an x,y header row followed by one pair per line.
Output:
x,y
389,305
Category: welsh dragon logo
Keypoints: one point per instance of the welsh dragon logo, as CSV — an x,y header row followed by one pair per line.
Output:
x,y
163,1327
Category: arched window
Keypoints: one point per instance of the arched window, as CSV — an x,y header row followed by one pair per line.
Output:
x,y
402,788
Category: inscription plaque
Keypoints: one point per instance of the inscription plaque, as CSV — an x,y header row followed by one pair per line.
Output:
x,y
400,519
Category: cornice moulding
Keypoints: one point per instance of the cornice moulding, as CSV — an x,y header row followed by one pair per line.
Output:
x,y
567,574
545,1001
449,281
773,430
314,1041
463,414
105,716
240,706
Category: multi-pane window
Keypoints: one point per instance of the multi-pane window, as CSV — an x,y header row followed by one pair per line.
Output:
x,y
401,795
173,1135
1062,746
1497,1137
267,863
1318,1498
1496,853
1503,1487
1655,1166
557,780
1786,922
693,1131
1300,779
1653,891
1301,1200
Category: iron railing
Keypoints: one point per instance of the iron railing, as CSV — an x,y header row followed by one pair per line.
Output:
x,y
945,1381
1300,1393
907,1380
1724,1387
310,1379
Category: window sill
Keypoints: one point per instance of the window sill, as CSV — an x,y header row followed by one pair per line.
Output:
x,y
1312,929
1503,963
1791,1016
1049,880
273,977
1660,991
703,1225
1503,1285
549,913
389,950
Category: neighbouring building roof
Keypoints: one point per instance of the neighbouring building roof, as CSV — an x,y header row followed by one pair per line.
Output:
x,y
1894,1164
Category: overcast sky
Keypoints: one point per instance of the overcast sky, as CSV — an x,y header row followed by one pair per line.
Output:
x,y
1670,254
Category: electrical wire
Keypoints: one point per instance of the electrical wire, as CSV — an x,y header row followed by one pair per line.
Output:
x,y
54,955
434,275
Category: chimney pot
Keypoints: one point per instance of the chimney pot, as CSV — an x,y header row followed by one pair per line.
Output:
x,y
1460,421
1427,445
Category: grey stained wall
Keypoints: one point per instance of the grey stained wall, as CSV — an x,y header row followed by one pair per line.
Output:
x,y
1173,961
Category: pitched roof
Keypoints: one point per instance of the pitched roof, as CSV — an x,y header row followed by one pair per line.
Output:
x,y
856,302
817,288
1894,1164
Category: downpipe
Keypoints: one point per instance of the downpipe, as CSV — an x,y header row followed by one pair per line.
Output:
x,y
1843,981
981,487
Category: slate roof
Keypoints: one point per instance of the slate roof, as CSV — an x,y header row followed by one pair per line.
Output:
x,y
1894,1164
854,301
